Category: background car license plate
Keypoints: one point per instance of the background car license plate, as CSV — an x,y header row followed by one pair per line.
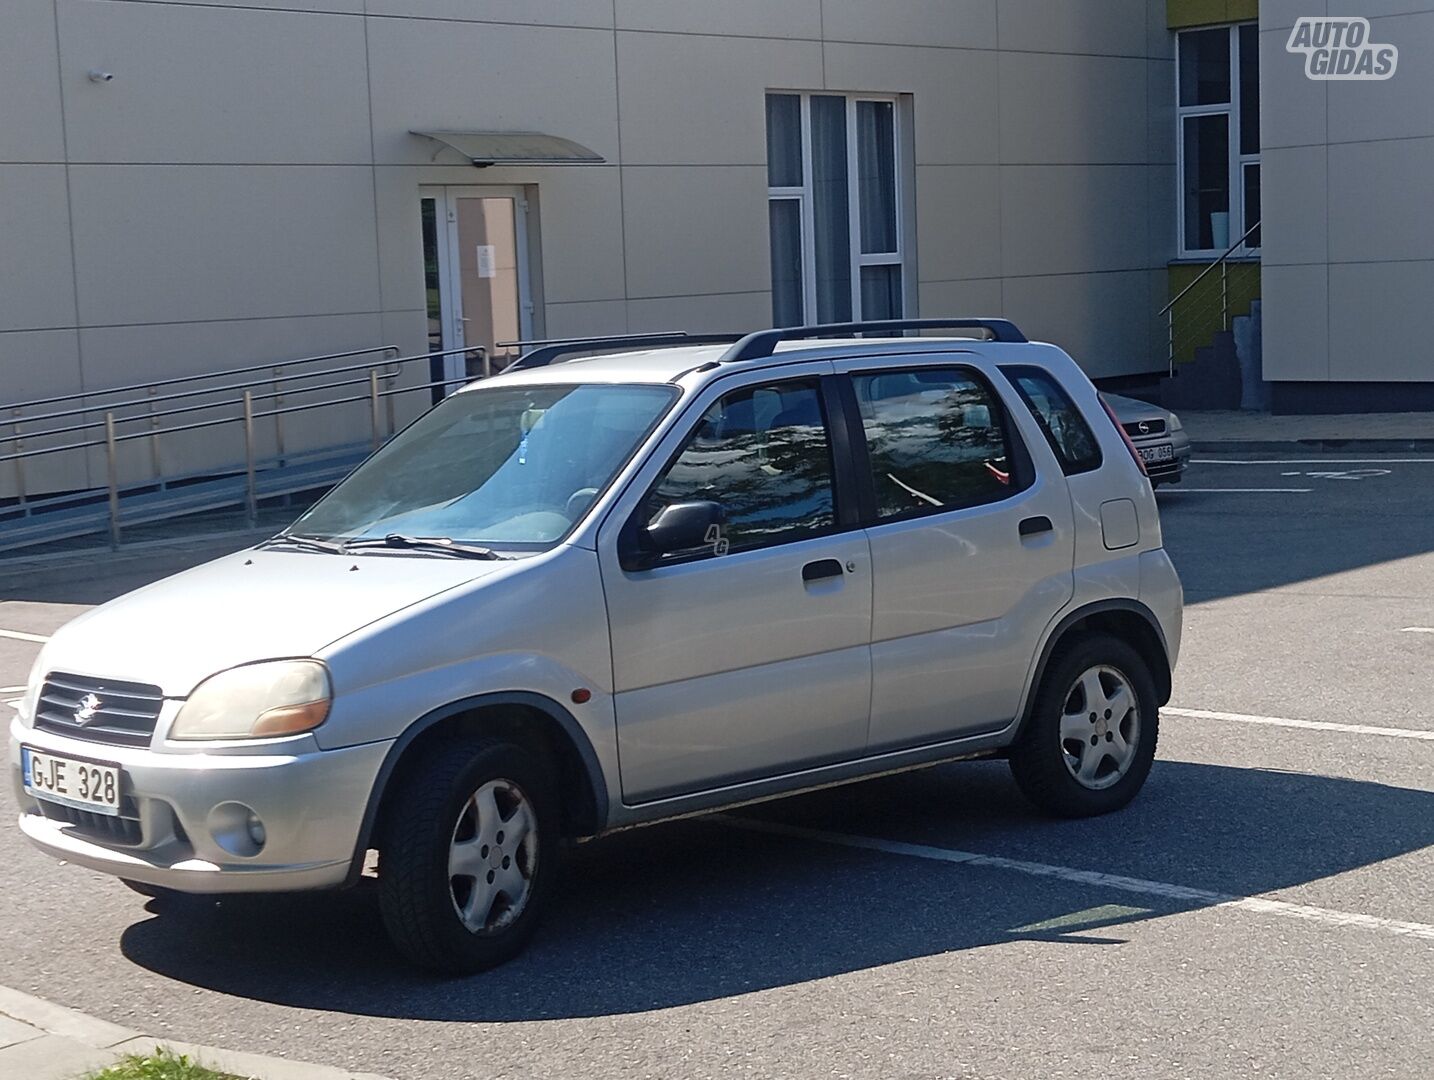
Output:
x,y
87,785
1157,453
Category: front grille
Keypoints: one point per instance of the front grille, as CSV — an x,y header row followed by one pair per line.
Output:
x,y
1138,429
106,828
98,710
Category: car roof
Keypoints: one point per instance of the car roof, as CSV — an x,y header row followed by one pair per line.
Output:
x,y
669,364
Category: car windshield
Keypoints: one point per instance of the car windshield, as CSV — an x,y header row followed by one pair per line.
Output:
x,y
499,465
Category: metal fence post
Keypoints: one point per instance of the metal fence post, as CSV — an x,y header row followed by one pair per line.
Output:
x,y
251,502
113,475
1170,338
278,400
1224,296
373,407
19,445
156,463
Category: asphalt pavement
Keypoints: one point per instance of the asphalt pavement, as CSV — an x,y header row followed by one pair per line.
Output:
x,y
1264,908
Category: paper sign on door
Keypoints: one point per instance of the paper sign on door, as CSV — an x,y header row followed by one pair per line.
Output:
x,y
486,259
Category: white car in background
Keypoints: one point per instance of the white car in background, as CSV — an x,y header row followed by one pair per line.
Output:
x,y
1158,435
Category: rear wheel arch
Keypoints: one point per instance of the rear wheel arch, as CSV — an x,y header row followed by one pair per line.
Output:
x,y
530,720
1128,620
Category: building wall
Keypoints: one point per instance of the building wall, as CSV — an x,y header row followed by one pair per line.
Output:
x,y
1348,236
246,187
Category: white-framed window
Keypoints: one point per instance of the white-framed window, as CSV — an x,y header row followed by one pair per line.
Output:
x,y
1218,138
835,207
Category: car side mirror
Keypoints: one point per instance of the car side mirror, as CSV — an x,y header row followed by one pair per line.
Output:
x,y
677,527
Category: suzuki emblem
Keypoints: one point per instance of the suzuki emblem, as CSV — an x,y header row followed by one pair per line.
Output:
x,y
89,706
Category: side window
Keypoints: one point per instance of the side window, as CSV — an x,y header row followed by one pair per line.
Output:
x,y
936,441
763,455
1062,423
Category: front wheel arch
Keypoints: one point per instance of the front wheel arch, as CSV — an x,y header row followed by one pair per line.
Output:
x,y
531,720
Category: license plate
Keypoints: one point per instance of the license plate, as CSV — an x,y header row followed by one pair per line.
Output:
x,y
1157,453
87,785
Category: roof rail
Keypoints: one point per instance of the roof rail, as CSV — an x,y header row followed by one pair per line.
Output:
x,y
763,343
548,351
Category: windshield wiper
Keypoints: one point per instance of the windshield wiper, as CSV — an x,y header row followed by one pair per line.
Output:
x,y
442,544
312,543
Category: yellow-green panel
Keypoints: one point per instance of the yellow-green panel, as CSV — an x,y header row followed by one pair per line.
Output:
x,y
1203,312
1182,14
1244,10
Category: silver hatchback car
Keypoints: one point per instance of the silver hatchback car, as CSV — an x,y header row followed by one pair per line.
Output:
x,y
603,590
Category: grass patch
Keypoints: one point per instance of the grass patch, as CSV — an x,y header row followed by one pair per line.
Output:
x,y
163,1064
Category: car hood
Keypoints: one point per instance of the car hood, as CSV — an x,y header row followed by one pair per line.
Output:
x,y
254,605
1129,410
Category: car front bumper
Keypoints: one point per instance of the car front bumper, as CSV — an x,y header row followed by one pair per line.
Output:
x,y
177,827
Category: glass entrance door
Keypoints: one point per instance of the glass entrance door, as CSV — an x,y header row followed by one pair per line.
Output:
x,y
476,264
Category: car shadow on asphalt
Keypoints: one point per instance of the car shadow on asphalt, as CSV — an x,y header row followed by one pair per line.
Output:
x,y
699,910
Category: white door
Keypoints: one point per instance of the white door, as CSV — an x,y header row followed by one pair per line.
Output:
x,y
476,259
744,655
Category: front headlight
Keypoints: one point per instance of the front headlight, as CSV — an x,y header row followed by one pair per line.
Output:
x,y
257,701
1175,424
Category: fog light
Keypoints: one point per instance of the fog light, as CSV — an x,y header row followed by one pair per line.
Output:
x,y
237,829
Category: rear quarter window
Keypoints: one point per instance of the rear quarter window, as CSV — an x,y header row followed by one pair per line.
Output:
x,y
1060,421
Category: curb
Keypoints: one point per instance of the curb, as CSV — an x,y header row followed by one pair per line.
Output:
x,y
66,1027
1282,446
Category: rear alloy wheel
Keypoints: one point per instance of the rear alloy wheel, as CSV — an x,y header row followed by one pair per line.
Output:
x,y
1089,742
467,854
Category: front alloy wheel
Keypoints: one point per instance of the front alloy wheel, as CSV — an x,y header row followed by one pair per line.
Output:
x,y
467,848
493,857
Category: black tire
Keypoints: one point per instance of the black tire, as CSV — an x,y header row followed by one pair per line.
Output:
x,y
1039,759
416,896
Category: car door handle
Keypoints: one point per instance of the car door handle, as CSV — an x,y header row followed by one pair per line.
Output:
x,y
822,568
1034,526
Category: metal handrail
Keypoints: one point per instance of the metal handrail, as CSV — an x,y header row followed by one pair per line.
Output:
x,y
1223,262
152,416
385,371
206,390
179,379
1200,276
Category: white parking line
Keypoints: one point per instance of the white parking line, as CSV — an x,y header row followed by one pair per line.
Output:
x,y
1182,490
20,635
1312,725
12,689
1204,897
1417,630
1315,461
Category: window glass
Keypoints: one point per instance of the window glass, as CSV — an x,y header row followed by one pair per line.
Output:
x,y
1207,182
784,140
1061,422
935,439
881,292
786,239
830,211
1252,203
1205,66
763,455
496,465
876,177
1249,93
